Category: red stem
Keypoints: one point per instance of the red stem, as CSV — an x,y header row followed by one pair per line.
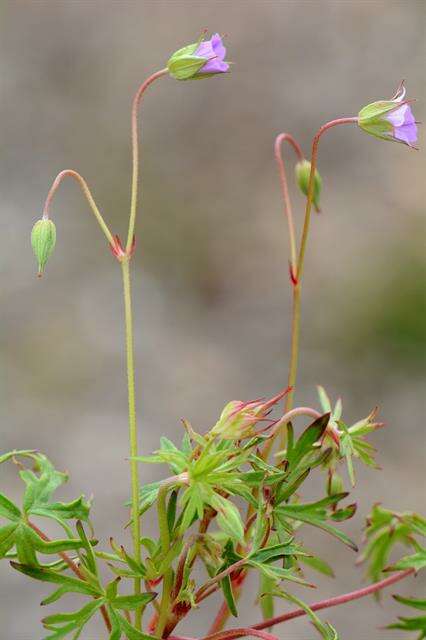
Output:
x,y
286,137
239,632
334,602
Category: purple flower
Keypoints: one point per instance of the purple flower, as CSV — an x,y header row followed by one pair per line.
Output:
x,y
390,119
404,124
214,52
202,59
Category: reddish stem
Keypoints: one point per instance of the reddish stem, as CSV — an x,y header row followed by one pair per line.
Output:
x,y
286,137
135,151
334,602
86,192
73,567
241,632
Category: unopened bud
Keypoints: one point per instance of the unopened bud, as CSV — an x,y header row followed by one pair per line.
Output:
x,y
43,239
303,171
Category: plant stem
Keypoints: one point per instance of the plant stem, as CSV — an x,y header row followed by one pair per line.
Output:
x,y
286,137
297,613
136,534
165,544
337,600
87,193
135,152
295,331
74,568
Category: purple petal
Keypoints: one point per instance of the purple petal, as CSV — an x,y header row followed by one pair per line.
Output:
x,y
401,116
406,133
205,50
214,66
213,52
218,46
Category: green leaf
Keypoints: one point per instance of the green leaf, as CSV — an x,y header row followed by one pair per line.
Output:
x,y
315,519
75,616
415,561
133,602
384,530
73,585
9,510
228,517
326,631
7,538
309,437
412,602
130,632
266,599
275,552
228,594
318,565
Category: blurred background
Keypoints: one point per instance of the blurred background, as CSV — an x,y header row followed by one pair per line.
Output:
x,y
212,298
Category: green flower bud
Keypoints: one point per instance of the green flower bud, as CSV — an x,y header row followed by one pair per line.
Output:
x,y
302,172
43,239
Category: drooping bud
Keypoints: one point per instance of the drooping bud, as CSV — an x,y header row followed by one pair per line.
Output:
x,y
43,239
303,171
199,60
390,119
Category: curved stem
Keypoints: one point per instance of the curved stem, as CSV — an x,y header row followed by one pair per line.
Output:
x,y
87,193
135,152
286,137
136,533
73,567
295,332
337,600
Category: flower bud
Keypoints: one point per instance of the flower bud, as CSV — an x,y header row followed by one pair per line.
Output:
x,y
390,119
199,60
238,419
43,239
302,172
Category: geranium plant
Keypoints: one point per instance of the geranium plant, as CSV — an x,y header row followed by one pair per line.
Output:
x,y
232,499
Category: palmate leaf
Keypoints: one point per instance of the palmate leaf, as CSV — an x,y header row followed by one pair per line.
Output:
x,y
385,529
41,483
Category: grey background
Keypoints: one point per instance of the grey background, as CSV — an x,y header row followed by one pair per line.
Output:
x,y
212,301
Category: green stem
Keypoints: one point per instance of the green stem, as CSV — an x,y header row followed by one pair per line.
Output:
x,y
295,331
165,544
136,534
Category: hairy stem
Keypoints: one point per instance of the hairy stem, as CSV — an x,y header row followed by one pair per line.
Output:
x,y
74,568
337,600
133,436
295,330
135,152
286,137
87,193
